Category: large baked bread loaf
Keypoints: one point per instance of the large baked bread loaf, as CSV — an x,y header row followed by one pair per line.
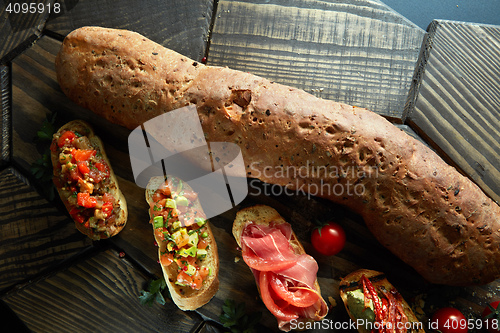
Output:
x,y
416,205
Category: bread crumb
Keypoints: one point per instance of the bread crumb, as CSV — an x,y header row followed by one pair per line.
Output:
x,y
333,301
237,259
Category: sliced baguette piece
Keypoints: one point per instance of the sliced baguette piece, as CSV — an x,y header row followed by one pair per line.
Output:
x,y
353,282
185,297
264,215
110,186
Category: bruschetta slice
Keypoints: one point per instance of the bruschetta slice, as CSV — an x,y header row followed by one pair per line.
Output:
x,y
86,182
186,245
285,275
375,305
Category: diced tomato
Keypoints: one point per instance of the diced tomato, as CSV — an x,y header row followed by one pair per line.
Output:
x,y
296,296
75,214
101,166
85,200
107,208
66,137
108,198
184,279
204,272
191,195
183,262
159,236
103,169
197,281
202,244
165,190
74,174
81,155
157,196
167,258
83,167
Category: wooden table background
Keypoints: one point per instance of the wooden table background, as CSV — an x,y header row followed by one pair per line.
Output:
x,y
439,85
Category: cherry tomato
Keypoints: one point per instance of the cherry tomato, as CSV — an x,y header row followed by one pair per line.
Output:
x,y
491,317
450,320
328,239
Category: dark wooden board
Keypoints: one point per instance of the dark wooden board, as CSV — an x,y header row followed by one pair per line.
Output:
x,y
36,94
455,103
178,24
18,29
98,294
34,235
357,52
6,113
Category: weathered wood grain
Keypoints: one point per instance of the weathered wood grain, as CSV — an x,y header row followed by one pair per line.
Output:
x,y
455,103
34,235
19,30
357,52
178,24
98,294
36,93
6,114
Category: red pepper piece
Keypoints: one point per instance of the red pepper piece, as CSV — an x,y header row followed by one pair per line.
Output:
x,y
81,155
75,214
66,137
107,208
374,296
83,167
85,200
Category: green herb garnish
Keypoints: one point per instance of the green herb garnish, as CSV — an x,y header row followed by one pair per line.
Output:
x,y
153,293
235,317
42,167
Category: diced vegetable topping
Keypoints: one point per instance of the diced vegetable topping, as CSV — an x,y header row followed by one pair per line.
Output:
x,y
181,231
83,176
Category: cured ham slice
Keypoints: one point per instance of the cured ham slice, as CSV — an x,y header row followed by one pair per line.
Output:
x,y
286,279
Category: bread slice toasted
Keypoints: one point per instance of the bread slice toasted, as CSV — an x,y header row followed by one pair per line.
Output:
x,y
111,227
264,215
352,282
185,297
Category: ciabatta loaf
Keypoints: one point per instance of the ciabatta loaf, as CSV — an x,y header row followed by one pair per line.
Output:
x,y
419,207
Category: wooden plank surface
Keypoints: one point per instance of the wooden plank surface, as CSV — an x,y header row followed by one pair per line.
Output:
x,y
34,235
5,114
357,52
178,24
18,28
455,103
114,282
98,294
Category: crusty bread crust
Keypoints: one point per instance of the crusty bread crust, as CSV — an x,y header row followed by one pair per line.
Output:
x,y
187,298
416,205
82,126
353,281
